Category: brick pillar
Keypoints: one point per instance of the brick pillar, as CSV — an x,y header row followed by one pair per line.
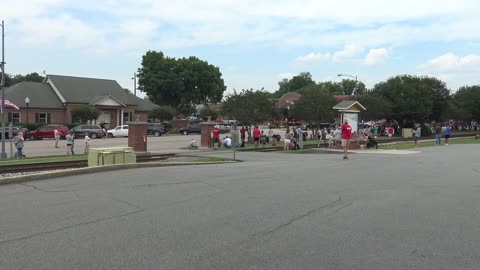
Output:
x,y
206,139
137,136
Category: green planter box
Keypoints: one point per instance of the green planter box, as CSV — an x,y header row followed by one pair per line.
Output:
x,y
111,156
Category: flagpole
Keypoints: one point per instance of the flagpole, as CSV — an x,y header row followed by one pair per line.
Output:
x,y
2,84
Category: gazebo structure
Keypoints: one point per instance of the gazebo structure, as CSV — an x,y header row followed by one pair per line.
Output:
x,y
350,110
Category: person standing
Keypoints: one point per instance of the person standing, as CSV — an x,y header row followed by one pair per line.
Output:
x,y
416,134
242,135
270,135
70,143
300,137
287,140
18,141
256,136
346,135
448,133
337,134
438,134
87,143
56,134
216,137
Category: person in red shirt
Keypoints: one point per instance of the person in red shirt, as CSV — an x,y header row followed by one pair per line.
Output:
x,y
346,135
256,136
215,137
242,134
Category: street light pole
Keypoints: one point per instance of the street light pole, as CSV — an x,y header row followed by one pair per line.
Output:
x,y
356,82
27,101
134,83
2,84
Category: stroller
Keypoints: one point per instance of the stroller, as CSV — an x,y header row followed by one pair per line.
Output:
x,y
371,142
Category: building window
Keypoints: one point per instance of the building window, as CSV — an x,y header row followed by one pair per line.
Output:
x,y
127,117
42,118
14,117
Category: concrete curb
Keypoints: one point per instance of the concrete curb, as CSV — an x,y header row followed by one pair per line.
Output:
x,y
72,172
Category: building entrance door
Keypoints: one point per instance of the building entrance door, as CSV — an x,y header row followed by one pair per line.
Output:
x,y
104,119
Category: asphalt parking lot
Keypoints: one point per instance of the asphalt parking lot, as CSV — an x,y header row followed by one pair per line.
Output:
x,y
271,211
163,144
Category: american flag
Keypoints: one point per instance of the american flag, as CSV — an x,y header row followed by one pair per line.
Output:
x,y
8,103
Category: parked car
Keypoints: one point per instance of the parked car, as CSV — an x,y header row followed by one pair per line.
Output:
x,y
224,128
93,131
26,132
287,122
120,131
47,131
230,123
156,129
193,127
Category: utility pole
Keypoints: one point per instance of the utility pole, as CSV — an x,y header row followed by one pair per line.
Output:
x,y
134,83
2,87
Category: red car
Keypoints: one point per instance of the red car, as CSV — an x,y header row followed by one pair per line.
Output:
x,y
288,122
47,131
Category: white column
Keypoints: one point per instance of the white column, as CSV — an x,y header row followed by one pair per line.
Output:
x,y
118,118
121,116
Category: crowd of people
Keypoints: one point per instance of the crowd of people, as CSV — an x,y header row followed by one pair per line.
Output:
x,y
19,142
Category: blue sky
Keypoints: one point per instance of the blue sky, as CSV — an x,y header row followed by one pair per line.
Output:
x,y
255,43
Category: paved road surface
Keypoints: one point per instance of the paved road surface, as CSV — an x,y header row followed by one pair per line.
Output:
x,y
273,211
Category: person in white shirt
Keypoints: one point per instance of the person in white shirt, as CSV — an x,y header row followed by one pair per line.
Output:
x,y
193,143
227,142
87,143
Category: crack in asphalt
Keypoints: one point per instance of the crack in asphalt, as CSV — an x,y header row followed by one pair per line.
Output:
x,y
45,190
297,218
69,227
127,203
162,184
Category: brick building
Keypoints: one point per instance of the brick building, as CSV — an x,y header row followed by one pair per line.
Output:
x,y
52,101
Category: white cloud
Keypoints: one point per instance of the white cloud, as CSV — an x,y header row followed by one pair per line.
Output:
x,y
371,23
314,58
452,63
455,70
349,51
64,28
139,27
286,75
376,56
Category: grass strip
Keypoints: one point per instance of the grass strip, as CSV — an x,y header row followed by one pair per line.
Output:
x,y
211,159
410,145
40,160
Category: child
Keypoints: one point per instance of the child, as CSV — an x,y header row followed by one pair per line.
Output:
x,y
87,143
193,144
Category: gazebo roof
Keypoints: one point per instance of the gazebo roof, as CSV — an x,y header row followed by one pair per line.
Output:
x,y
349,105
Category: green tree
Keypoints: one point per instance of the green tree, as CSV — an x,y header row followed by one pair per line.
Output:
x,y
250,107
466,103
315,107
85,113
351,87
207,112
297,82
180,83
414,98
377,106
162,113
31,77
